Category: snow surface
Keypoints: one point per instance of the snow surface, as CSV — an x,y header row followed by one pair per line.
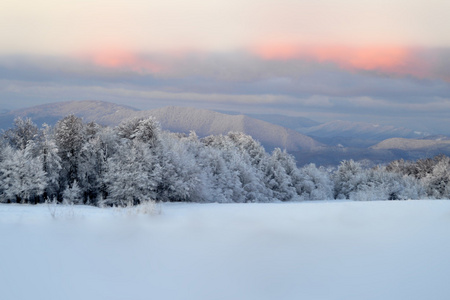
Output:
x,y
308,250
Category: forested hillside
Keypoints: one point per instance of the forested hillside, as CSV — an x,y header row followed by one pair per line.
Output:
x,y
79,162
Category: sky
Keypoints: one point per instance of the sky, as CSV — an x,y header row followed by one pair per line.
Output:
x,y
380,61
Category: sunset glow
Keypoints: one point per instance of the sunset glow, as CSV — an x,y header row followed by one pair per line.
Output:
x,y
120,59
386,59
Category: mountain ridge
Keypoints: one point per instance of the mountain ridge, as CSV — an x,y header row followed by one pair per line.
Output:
x,y
294,123
411,144
352,129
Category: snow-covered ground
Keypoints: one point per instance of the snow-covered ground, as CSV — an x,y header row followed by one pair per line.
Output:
x,y
310,250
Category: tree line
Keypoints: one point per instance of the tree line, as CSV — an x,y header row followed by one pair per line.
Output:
x,y
85,163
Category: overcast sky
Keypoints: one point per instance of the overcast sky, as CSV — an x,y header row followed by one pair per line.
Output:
x,y
382,61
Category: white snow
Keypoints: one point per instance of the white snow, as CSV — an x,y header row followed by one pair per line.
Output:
x,y
308,250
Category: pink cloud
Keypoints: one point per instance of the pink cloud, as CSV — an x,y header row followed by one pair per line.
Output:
x,y
115,58
387,60
390,60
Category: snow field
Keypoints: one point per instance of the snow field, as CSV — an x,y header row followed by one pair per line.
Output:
x,y
308,250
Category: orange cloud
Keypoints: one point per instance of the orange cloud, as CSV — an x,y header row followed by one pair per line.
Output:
x,y
114,58
385,59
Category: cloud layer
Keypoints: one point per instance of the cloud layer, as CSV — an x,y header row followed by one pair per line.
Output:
x,y
319,83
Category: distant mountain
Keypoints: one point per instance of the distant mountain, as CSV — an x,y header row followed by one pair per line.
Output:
x,y
294,123
438,137
99,111
357,134
381,153
332,156
178,119
206,122
339,133
413,149
413,144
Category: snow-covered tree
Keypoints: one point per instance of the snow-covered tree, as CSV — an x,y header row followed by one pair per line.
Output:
x,y
378,184
22,178
223,184
251,179
313,183
346,178
24,131
247,144
181,178
127,128
51,162
100,144
433,174
437,181
73,194
69,138
147,131
132,175
236,168
143,130
276,178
